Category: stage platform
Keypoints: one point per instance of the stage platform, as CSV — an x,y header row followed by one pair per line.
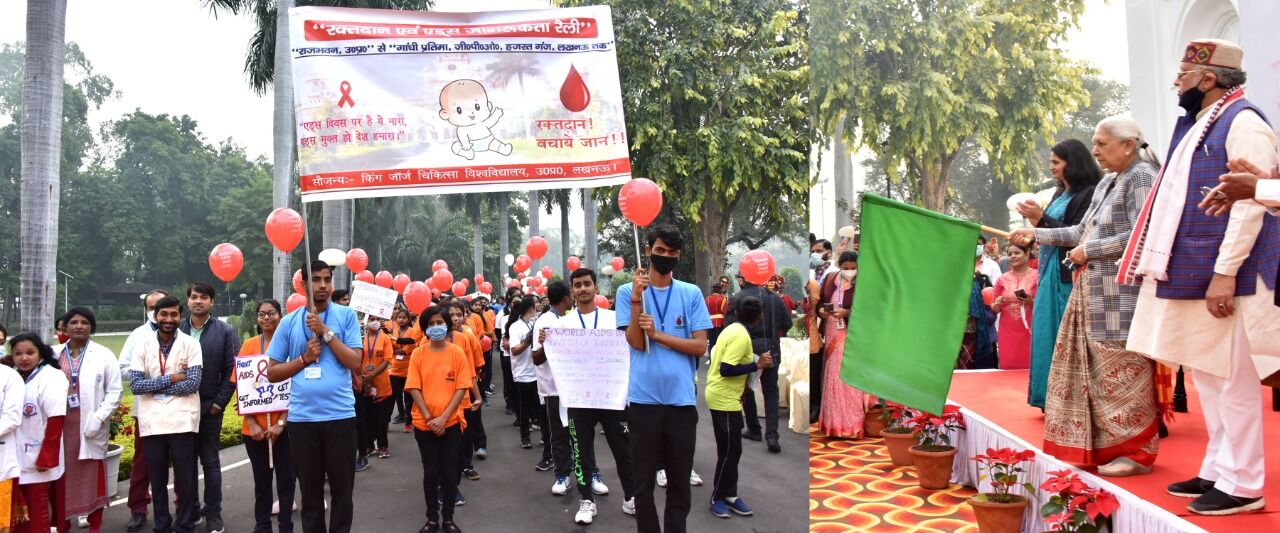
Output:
x,y
995,408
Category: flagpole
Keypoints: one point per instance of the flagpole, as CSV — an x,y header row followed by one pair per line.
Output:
x,y
644,303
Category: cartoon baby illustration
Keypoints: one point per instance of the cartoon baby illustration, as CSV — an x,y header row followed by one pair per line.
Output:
x,y
465,104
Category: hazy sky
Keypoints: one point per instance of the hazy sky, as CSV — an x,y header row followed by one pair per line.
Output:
x,y
175,57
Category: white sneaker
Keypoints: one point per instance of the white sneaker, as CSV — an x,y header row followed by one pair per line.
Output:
x,y
83,522
662,478
629,506
597,485
586,511
561,486
694,478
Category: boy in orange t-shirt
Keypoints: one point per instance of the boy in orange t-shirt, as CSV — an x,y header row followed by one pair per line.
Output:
x,y
373,405
439,375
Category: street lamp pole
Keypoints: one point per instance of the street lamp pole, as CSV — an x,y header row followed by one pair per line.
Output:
x,y
66,291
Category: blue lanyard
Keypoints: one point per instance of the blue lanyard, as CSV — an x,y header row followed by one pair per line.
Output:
x,y
368,350
75,363
596,325
661,309
33,373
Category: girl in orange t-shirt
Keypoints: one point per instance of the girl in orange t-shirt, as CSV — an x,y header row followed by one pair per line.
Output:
x,y
439,376
375,395
404,336
262,430
474,439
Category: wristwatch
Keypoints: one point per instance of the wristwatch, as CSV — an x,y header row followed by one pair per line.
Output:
x,y
328,336
280,422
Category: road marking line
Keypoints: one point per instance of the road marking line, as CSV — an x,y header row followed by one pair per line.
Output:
x,y
239,463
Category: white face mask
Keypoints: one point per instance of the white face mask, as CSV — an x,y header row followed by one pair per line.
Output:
x,y
979,252
151,317
849,273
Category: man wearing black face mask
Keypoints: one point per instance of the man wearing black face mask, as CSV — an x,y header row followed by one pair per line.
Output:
x,y
765,337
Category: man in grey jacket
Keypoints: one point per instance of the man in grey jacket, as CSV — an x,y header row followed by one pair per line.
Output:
x,y
219,345
765,336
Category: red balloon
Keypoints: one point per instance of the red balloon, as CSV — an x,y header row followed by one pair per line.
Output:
x,y
458,289
534,281
383,279
511,283
617,263
438,265
466,283
536,248
486,288
520,275
756,266
284,229
640,200
226,261
989,295
435,293
486,343
602,302
547,272
442,280
417,296
479,279
357,260
365,276
523,263
294,302
542,291
400,282
573,263
298,287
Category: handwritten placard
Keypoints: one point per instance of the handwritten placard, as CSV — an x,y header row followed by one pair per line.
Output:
x,y
255,394
591,366
372,300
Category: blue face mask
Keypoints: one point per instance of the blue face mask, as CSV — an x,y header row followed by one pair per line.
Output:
x,y
436,333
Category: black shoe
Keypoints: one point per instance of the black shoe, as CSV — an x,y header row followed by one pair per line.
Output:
x,y
1191,488
773,445
398,419
471,474
450,527
509,411
1218,503
544,465
524,443
362,464
214,524
136,522
752,435
430,527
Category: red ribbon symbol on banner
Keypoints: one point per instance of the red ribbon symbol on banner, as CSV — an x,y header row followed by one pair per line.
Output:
x,y
262,369
346,100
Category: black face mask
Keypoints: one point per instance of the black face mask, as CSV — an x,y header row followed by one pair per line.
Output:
x,y
663,264
1191,100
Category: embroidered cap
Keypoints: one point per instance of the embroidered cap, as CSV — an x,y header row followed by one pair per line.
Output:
x,y
1214,53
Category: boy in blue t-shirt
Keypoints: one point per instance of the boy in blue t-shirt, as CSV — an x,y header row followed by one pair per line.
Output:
x,y
666,322
318,351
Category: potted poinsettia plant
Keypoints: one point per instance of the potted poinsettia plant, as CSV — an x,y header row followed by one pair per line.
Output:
x,y
1000,511
900,433
934,454
1075,506
119,425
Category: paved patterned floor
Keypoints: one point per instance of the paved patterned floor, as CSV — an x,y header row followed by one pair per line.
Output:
x,y
854,487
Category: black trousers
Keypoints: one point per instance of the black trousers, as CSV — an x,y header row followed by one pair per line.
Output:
x,y
475,425
529,411
769,388
561,450
439,470
322,453
207,447
180,449
364,424
402,400
582,439
486,376
262,461
665,433
816,365
381,417
509,393
727,426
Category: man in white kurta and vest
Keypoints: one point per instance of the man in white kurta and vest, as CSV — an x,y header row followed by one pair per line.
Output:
x,y
1208,282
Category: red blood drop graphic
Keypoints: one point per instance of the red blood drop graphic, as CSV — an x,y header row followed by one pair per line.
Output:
x,y
574,93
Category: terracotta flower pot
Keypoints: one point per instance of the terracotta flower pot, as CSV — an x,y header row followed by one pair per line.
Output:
x,y
999,517
933,467
872,423
898,444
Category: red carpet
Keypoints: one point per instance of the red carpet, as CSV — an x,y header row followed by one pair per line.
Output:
x,y
1001,398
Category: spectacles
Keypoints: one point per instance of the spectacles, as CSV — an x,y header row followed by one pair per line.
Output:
x,y
268,314
1182,73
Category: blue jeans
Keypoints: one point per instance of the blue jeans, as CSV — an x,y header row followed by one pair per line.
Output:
x,y
207,448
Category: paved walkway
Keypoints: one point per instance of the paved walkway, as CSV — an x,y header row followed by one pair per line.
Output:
x,y
512,496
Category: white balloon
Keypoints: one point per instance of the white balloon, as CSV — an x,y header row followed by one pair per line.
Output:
x,y
334,257
607,270
510,259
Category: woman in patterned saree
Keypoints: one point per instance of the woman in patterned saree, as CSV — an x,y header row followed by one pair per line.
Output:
x,y
843,407
1102,406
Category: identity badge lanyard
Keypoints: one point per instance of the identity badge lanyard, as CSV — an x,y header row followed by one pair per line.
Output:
x,y
73,399
661,308
368,350
596,325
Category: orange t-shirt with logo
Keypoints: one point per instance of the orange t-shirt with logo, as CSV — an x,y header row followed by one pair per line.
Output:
x,y
400,361
438,375
253,347
376,350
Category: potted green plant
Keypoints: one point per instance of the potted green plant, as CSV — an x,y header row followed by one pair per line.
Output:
x,y
120,425
934,454
1075,506
900,434
1000,511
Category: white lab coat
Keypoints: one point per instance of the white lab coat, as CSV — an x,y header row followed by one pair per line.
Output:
x,y
99,397
44,397
12,393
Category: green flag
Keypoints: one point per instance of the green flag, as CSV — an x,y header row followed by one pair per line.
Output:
x,y
915,276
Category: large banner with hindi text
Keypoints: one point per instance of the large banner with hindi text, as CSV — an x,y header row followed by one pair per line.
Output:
x,y
409,102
